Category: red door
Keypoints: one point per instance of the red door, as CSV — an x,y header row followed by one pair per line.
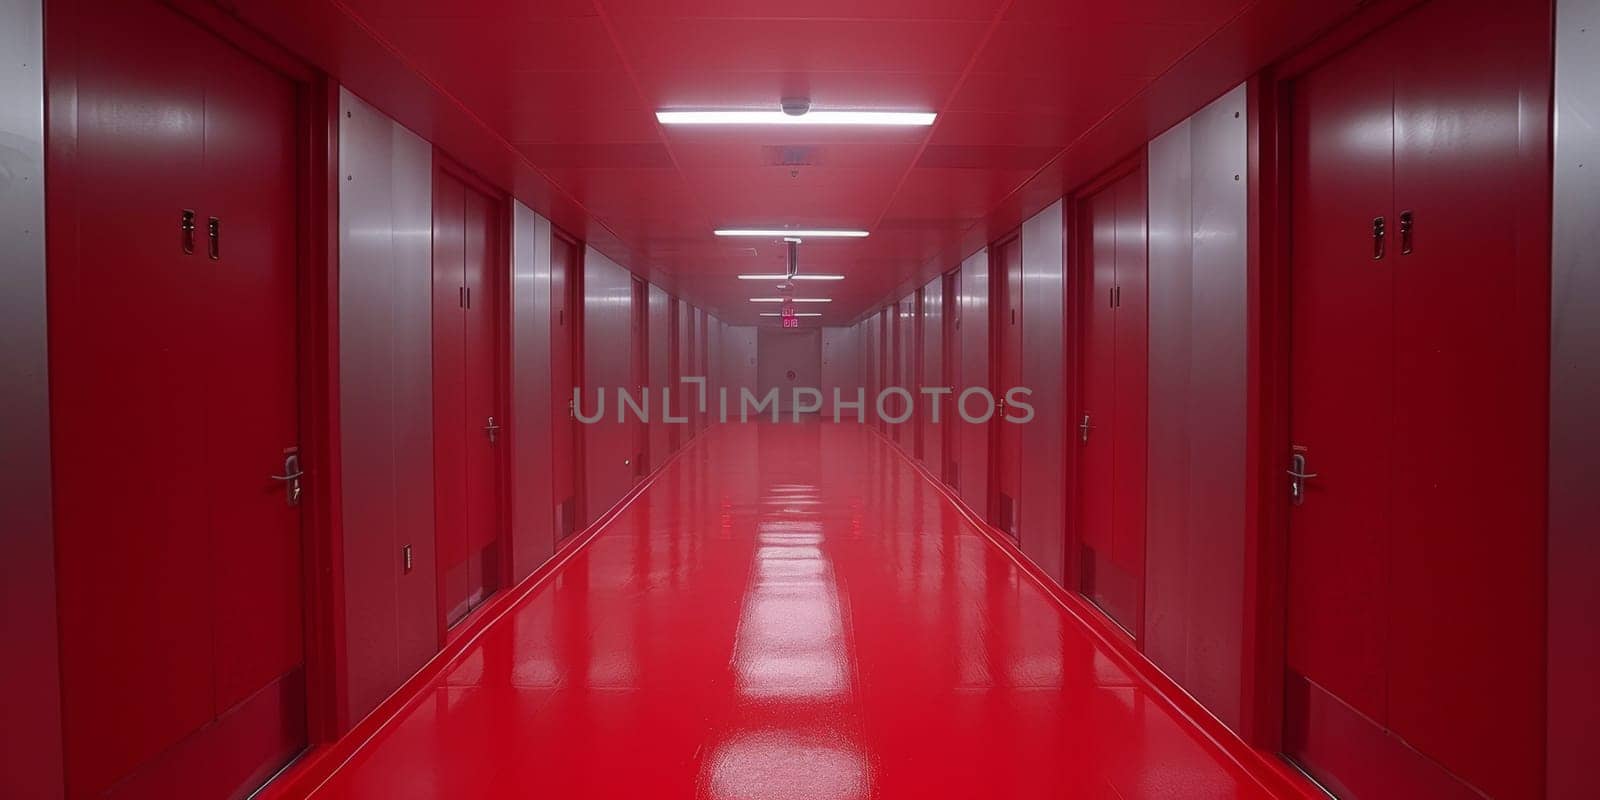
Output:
x,y
467,421
563,363
175,396
1418,375
1111,428
1008,373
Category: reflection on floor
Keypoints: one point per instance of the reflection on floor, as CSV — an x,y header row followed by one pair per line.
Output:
x,y
790,611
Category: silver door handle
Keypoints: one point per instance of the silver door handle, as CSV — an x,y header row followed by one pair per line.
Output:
x,y
491,428
1083,429
1298,477
290,478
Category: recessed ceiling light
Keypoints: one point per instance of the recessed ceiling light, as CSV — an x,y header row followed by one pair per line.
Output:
x,y
778,117
800,314
773,233
778,276
791,299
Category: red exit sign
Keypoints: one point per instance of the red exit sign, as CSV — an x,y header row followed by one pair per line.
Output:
x,y
791,322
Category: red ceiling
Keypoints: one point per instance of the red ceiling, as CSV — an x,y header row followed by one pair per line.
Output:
x,y
554,99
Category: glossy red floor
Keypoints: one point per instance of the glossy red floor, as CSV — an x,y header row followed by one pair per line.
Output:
x,y
789,611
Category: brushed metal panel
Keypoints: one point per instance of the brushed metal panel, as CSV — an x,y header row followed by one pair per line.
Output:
x,y
532,492
607,322
1574,547
659,324
1042,504
973,469
32,762
1218,396
366,481
411,270
1194,604
386,400
1171,249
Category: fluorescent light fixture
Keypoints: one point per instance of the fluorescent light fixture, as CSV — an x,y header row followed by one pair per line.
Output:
x,y
773,233
791,299
778,276
800,314
778,117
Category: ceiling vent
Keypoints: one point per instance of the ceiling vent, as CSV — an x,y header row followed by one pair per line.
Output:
x,y
791,155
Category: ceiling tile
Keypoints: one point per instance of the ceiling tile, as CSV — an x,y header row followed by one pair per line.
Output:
x,y
957,195
782,9
807,45
490,49
574,84
985,157
589,155
795,154
1074,92
1016,129
820,196
501,10
890,91
1090,13
583,125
